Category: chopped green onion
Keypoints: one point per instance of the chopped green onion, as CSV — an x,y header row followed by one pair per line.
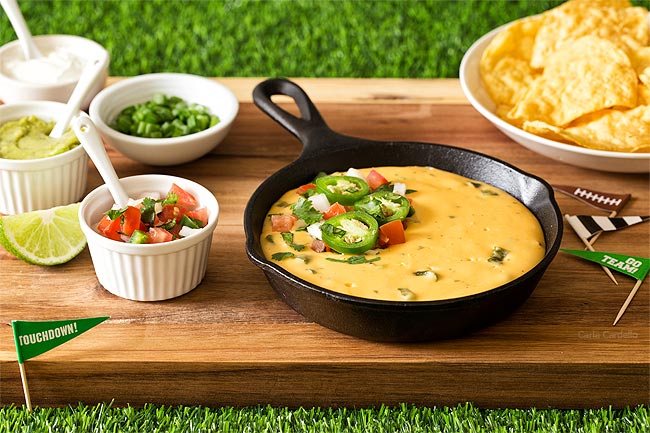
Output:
x,y
139,237
163,117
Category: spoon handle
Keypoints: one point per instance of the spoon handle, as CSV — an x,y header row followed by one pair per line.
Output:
x,y
87,134
86,81
20,27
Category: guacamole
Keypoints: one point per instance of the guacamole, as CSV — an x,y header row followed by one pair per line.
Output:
x,y
28,138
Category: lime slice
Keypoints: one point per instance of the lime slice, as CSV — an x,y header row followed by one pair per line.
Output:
x,y
44,237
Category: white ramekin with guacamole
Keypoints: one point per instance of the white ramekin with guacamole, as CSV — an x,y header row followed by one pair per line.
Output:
x,y
36,173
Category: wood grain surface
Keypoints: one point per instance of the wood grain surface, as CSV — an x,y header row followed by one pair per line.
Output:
x,y
232,341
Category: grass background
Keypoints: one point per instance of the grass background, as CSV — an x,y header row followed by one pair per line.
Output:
x,y
293,38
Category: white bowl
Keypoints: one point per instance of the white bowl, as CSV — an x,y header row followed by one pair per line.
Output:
x,y
219,100
148,272
33,184
13,90
472,85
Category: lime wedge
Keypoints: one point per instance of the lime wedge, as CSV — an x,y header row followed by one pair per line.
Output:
x,y
44,237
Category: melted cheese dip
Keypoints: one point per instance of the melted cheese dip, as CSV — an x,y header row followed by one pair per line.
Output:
x,y
457,225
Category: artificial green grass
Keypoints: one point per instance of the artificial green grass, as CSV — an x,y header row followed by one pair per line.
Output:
x,y
404,418
293,38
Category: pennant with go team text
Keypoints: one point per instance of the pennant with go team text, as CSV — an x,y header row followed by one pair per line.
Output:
x,y
35,338
635,267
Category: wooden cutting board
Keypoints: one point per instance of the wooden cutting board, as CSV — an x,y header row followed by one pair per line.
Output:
x,y
232,341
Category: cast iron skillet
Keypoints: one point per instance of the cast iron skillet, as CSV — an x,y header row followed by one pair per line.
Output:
x,y
328,151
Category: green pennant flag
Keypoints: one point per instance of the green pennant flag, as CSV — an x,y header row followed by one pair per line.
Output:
x,y
34,338
635,267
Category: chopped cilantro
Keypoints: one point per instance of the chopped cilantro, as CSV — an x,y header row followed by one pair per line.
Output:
x,y
172,198
287,237
354,260
305,211
114,214
282,256
148,210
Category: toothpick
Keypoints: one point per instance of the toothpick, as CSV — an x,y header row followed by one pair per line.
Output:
x,y
23,377
627,301
590,248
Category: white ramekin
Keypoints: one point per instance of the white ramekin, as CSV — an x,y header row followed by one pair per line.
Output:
x,y
218,99
13,90
33,184
149,272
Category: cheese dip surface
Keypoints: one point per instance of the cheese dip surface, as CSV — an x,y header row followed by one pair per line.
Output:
x,y
465,237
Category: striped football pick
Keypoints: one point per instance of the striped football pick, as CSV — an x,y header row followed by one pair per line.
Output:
x,y
587,226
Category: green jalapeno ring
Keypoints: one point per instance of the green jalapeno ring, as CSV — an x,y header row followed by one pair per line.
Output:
x,y
384,206
345,190
351,232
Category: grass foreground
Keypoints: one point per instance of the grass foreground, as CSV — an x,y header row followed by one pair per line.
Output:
x,y
403,418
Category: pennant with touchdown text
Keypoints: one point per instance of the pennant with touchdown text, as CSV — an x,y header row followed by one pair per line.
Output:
x,y
587,226
635,267
601,200
35,338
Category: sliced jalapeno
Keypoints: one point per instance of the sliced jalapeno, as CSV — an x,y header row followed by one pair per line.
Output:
x,y
342,189
384,206
351,232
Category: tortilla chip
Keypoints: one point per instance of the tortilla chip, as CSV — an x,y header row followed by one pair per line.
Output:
x,y
505,64
545,130
612,130
576,19
574,84
643,97
607,3
640,59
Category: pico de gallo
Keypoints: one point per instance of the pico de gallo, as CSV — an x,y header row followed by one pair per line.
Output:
x,y
347,213
154,220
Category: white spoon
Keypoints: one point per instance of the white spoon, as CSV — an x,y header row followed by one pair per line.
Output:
x,y
20,27
86,81
87,134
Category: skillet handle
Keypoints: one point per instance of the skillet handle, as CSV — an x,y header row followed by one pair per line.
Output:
x,y
310,129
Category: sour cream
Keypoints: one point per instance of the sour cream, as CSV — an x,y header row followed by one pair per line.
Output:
x,y
57,66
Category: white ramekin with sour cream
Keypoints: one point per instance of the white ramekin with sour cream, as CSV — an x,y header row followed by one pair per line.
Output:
x,y
54,76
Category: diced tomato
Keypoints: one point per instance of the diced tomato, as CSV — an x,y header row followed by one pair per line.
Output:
x,y
172,211
319,246
184,198
334,210
109,228
158,235
306,187
130,220
394,231
282,223
375,180
175,231
199,214
382,240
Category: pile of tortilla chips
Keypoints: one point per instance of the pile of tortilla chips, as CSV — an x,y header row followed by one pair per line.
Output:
x,y
578,73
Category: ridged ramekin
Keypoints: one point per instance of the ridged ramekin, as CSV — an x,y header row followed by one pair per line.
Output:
x,y
148,272
34,184
14,90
